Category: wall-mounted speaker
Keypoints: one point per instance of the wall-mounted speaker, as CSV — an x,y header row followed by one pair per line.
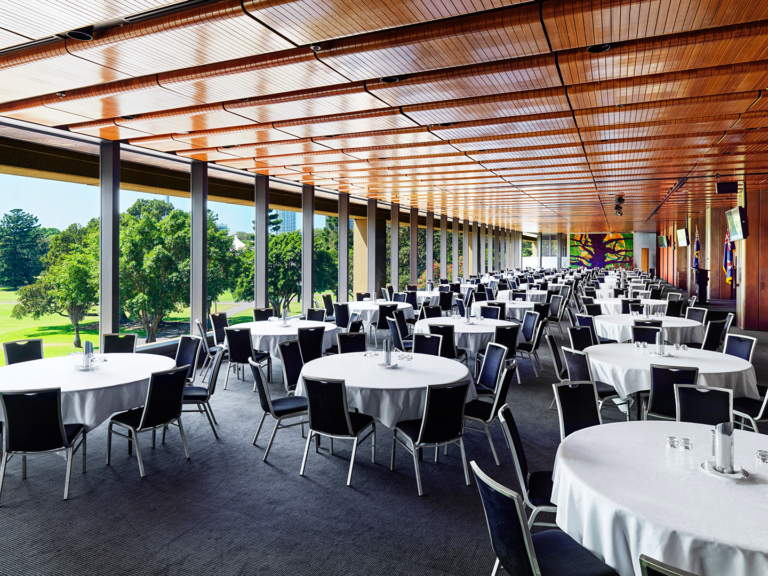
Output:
x,y
727,187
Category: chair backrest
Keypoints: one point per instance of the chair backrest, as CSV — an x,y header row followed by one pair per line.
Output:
x,y
554,350
636,307
443,413
119,343
23,350
645,334
328,305
713,335
327,406
651,323
570,316
651,567
390,291
588,321
265,399
512,435
213,373
661,401
462,309
427,344
489,295
316,314
674,296
443,287
728,321
489,311
262,314
394,331
355,326
311,342
530,321
456,287
341,314
398,297
740,346
507,524
410,298
502,308
655,294
580,337
446,301
480,296
577,365
164,397
703,404
448,345
411,287
239,344
33,421
697,314
351,342
555,305
203,336
674,307
385,311
187,353
507,336
493,363
587,301
502,389
593,309
468,296
385,294
219,322
290,357
360,296
576,406
431,311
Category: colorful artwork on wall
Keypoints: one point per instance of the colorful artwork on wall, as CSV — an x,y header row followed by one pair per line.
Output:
x,y
601,250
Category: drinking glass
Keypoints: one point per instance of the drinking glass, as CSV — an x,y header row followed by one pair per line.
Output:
x,y
761,466
644,348
677,349
684,349
672,442
637,348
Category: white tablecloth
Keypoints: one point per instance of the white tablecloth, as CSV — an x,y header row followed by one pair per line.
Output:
x,y
613,305
506,295
617,364
433,297
621,493
604,293
369,311
514,309
675,330
268,335
537,295
391,395
89,398
472,337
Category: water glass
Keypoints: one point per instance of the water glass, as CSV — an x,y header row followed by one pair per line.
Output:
x,y
672,442
761,466
685,444
637,349
644,348
677,349
684,349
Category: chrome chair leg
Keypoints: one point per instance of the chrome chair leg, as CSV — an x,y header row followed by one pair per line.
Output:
x,y
183,437
258,430
226,378
416,468
210,409
205,409
154,436
331,439
82,447
109,442
23,466
306,451
5,458
496,567
352,462
373,445
70,454
392,460
490,441
271,439
464,460
138,454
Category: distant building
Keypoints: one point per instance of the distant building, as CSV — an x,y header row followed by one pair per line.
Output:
x,y
288,223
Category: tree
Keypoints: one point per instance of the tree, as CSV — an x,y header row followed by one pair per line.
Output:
x,y
274,222
284,269
527,248
22,244
69,285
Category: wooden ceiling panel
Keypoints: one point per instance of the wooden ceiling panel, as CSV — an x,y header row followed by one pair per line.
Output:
x,y
540,139
8,38
255,135
510,125
690,127
393,122
47,116
308,21
364,139
278,110
387,152
181,124
116,132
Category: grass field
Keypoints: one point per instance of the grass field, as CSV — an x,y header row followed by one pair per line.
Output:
x,y
58,334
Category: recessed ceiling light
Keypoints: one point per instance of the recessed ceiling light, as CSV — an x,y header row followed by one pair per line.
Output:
x,y
727,152
227,147
61,94
599,48
81,34
330,136
243,99
127,117
483,150
446,124
390,79
182,132
315,47
619,105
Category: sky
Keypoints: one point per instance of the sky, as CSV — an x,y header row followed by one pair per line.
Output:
x,y
59,204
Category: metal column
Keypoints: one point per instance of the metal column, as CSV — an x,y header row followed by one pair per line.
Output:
x,y
481,251
109,238
414,245
394,247
261,241
198,277
430,245
443,246
465,247
307,246
343,293
455,257
372,207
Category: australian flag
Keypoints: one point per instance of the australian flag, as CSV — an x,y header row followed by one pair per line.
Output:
x,y
728,258
696,250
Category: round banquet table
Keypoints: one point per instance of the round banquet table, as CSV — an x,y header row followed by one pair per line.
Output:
x,y
369,311
621,493
604,293
613,305
472,337
514,309
537,295
89,398
675,330
267,335
433,297
618,365
389,394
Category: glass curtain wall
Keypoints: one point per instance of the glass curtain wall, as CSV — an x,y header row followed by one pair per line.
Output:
x,y
49,263
284,260
326,263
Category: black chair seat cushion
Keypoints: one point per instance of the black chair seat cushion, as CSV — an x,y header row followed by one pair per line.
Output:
x,y
479,410
260,356
195,394
694,345
605,390
606,340
748,406
130,418
333,349
461,352
408,337
289,405
72,430
411,320
330,318
540,488
214,349
560,555
359,421
410,428
525,346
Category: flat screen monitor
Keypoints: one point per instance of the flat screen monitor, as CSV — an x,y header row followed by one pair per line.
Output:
x,y
682,237
736,220
663,242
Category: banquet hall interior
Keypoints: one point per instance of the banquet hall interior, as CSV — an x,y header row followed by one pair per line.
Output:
x,y
414,287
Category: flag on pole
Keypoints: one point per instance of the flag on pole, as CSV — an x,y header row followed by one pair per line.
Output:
x,y
696,250
728,258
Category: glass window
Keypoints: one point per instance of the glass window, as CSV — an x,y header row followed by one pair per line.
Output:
x,y
326,257
284,261
49,263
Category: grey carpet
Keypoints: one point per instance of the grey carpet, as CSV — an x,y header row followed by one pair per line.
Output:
x,y
226,512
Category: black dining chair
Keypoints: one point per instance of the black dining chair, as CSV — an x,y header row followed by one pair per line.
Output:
x,y
441,424
385,311
427,344
645,334
431,311
200,396
316,314
219,322
311,342
290,357
651,323
580,370
22,350
697,315
535,486
329,309
712,336
530,349
351,342
33,425
162,407
360,296
661,401
674,307
119,343
240,347
278,408
577,406
187,353
551,552
448,348
262,314
396,337
446,301
740,346
330,416
506,336
494,361
703,404
341,315
651,567
490,312
485,408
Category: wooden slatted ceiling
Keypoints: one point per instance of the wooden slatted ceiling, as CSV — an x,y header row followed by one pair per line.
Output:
x,y
527,135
